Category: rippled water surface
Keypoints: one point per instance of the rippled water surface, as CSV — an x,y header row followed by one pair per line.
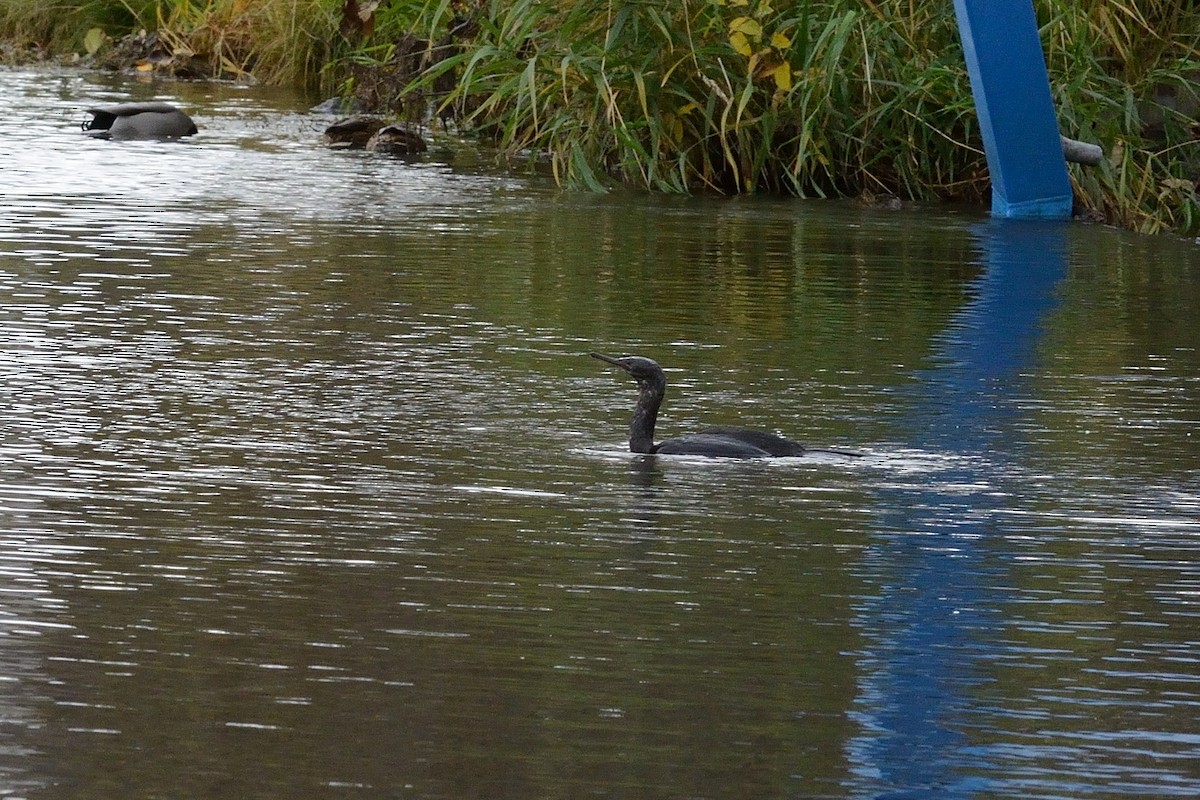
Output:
x,y
308,488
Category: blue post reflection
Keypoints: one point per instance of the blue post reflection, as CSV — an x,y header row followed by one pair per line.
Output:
x,y
931,615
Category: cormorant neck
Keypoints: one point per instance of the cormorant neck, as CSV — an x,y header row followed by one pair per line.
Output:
x,y
641,427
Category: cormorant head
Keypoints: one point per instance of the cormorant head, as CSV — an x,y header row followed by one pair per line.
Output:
x,y
645,371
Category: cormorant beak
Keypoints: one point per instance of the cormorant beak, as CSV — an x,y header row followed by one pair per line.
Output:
x,y
610,360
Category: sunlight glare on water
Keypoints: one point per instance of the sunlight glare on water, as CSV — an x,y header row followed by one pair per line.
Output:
x,y
308,485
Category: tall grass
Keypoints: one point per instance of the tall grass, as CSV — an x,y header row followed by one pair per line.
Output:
x,y
60,26
820,98
277,41
808,97
1125,75
814,99
826,98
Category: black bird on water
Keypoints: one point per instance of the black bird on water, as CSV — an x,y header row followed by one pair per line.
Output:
x,y
138,121
720,442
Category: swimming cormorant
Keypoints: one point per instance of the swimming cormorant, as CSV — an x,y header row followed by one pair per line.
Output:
x,y
724,442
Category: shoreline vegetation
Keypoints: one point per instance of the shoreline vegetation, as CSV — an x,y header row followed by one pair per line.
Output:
x,y
858,98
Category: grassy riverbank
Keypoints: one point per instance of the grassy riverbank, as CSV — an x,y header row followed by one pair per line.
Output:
x,y
848,97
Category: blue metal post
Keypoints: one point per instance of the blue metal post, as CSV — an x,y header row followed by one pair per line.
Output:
x,y
1016,112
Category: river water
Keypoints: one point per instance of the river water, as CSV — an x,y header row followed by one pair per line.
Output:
x,y
309,489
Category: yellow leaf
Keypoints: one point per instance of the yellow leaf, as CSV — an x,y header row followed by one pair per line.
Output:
x,y
672,126
1175,185
737,40
779,41
689,108
748,26
783,77
739,3
764,8
93,40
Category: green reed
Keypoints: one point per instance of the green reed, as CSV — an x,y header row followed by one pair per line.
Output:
x,y
277,41
825,98
835,98
814,99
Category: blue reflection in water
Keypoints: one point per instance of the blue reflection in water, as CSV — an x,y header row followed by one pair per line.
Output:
x,y
937,590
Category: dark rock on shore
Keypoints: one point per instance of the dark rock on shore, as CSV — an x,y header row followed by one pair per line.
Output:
x,y
397,140
352,133
372,133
